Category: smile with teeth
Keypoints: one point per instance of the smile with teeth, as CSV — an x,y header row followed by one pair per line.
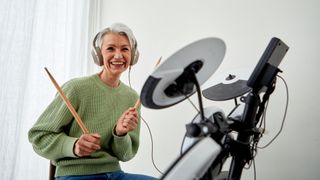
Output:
x,y
117,63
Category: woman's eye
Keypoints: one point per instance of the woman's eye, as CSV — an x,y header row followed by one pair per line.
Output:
x,y
110,48
125,49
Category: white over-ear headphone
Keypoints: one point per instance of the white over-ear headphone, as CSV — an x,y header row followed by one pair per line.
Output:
x,y
119,28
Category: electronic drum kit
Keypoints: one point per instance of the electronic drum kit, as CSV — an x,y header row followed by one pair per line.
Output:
x,y
179,77
182,74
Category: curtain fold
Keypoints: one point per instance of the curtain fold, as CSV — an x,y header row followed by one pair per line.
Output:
x,y
35,34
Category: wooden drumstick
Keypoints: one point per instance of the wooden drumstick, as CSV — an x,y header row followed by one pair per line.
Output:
x,y
158,62
68,103
137,104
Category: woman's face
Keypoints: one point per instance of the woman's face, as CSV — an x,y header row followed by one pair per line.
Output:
x,y
116,53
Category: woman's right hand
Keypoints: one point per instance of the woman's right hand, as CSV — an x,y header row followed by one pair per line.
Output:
x,y
87,144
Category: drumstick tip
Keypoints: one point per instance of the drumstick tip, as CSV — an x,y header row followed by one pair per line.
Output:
x,y
158,61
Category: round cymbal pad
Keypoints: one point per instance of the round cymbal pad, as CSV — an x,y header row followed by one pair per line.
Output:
x,y
203,57
222,91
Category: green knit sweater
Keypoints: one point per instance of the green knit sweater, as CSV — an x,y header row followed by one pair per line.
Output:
x,y
99,106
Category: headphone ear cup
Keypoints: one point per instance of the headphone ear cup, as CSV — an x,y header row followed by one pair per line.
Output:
x,y
136,53
135,57
96,55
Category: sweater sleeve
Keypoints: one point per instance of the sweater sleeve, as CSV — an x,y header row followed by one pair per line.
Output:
x,y
49,134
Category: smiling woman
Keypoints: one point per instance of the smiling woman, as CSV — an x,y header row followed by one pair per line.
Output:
x,y
107,108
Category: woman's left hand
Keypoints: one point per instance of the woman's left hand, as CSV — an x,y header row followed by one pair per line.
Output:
x,y
127,122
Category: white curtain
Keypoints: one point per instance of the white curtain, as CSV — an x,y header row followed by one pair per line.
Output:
x,y
36,34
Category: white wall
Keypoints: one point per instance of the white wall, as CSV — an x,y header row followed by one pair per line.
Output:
x,y
163,27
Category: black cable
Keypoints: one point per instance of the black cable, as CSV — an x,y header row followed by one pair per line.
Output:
x,y
263,117
235,101
284,116
265,100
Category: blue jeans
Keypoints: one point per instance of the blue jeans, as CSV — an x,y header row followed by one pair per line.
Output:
x,y
117,175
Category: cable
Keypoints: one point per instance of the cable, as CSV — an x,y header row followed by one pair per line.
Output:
x,y
151,138
264,116
284,116
254,170
194,106
263,123
129,77
149,130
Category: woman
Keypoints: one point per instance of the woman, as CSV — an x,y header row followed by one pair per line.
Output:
x,y
105,105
